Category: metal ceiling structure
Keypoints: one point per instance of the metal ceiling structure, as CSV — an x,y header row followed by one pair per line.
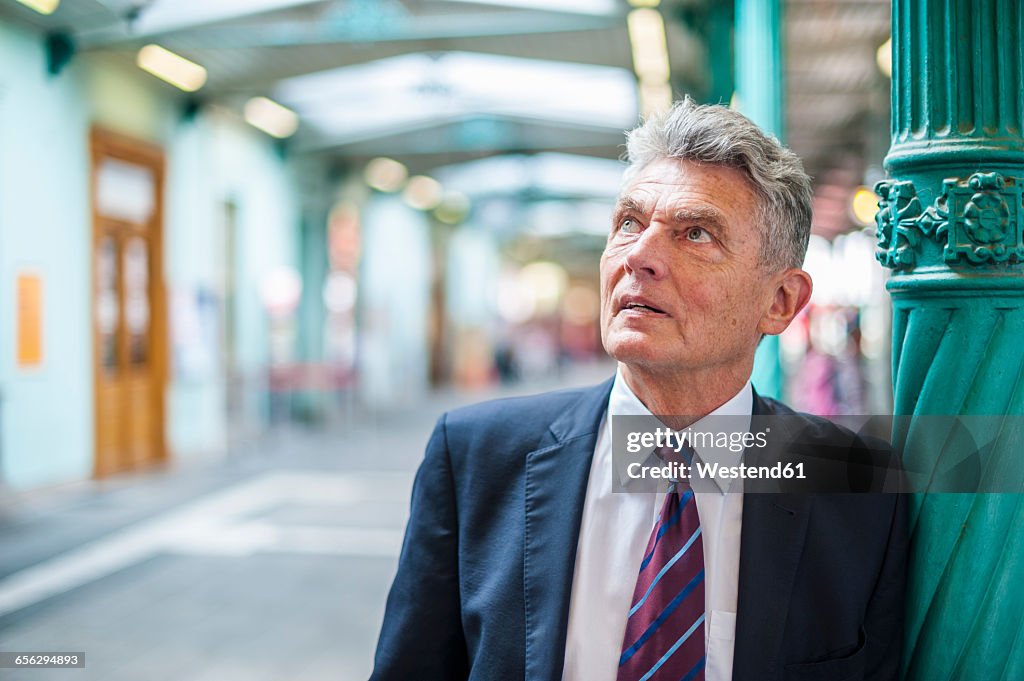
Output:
x,y
837,99
436,79
436,82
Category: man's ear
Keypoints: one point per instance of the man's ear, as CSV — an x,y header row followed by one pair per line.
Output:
x,y
792,292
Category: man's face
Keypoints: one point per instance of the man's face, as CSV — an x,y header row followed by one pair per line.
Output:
x,y
682,288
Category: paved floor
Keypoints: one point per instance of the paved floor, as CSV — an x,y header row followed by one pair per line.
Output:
x,y
273,564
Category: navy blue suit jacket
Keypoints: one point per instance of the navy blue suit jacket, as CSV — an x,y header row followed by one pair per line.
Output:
x,y
485,573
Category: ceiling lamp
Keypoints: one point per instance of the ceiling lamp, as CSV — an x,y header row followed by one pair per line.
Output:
x,y
385,174
453,208
170,67
270,117
650,58
41,6
883,57
864,206
423,193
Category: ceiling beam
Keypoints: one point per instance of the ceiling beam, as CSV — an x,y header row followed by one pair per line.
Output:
x,y
607,47
440,136
247,71
293,33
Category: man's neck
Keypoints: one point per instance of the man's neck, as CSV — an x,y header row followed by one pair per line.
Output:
x,y
683,398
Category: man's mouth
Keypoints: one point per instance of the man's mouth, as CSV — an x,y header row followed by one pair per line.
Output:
x,y
644,308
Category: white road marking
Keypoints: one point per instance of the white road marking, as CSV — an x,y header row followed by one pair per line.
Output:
x,y
216,525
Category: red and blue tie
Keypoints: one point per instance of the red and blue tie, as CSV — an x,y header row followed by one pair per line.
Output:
x,y
664,639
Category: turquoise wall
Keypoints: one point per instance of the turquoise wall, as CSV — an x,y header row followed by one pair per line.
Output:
x,y
47,420
47,431
211,161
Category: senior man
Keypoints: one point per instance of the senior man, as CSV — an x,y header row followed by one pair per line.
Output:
x,y
523,560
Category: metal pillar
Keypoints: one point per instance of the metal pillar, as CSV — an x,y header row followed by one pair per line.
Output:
x,y
950,227
759,86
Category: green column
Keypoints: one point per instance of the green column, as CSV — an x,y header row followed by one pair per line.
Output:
x,y
949,227
759,88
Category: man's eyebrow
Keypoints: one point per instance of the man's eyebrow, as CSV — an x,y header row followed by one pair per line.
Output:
x,y
706,215
628,203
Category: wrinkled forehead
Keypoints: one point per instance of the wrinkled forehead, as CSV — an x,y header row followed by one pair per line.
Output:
x,y
665,167
702,190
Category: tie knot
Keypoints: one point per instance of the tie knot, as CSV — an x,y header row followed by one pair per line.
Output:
x,y
680,457
683,455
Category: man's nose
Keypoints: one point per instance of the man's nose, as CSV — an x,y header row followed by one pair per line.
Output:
x,y
645,257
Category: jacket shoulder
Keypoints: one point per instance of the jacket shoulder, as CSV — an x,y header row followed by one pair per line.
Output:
x,y
849,455
809,425
511,411
525,420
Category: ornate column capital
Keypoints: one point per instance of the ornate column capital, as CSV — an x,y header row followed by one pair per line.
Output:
x,y
975,221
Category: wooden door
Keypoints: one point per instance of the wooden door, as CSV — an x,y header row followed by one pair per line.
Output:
x,y
129,306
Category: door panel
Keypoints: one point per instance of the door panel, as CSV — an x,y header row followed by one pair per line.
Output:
x,y
139,376
128,304
106,323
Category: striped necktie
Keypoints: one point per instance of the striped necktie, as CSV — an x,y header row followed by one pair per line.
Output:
x,y
664,639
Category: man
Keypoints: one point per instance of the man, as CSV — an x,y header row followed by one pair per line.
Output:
x,y
520,561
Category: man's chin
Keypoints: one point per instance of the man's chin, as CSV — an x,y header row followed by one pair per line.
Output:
x,y
641,352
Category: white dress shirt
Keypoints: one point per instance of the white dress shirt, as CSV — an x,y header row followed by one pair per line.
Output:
x,y
614,533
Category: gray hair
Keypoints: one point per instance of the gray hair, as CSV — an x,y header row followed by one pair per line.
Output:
x,y
717,135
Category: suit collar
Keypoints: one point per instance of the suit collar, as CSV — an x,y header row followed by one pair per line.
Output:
x,y
584,416
761,406
556,485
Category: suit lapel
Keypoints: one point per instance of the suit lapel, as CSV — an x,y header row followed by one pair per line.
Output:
x,y
556,485
771,541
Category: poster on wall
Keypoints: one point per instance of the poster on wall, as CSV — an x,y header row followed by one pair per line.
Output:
x,y
30,320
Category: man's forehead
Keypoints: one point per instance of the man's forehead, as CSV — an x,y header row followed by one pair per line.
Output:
x,y
674,185
682,207
672,172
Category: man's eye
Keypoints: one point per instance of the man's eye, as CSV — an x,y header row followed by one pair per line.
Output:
x,y
629,226
698,235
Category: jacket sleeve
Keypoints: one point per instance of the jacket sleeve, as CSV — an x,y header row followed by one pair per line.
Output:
x,y
884,620
422,636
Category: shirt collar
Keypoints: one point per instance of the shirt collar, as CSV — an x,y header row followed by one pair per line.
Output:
x,y
623,402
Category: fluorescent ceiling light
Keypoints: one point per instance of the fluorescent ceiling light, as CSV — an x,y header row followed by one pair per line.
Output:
x,y
423,192
654,97
453,208
385,174
41,6
170,67
270,117
864,206
650,52
883,57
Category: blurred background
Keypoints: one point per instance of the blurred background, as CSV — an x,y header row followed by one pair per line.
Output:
x,y
251,249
